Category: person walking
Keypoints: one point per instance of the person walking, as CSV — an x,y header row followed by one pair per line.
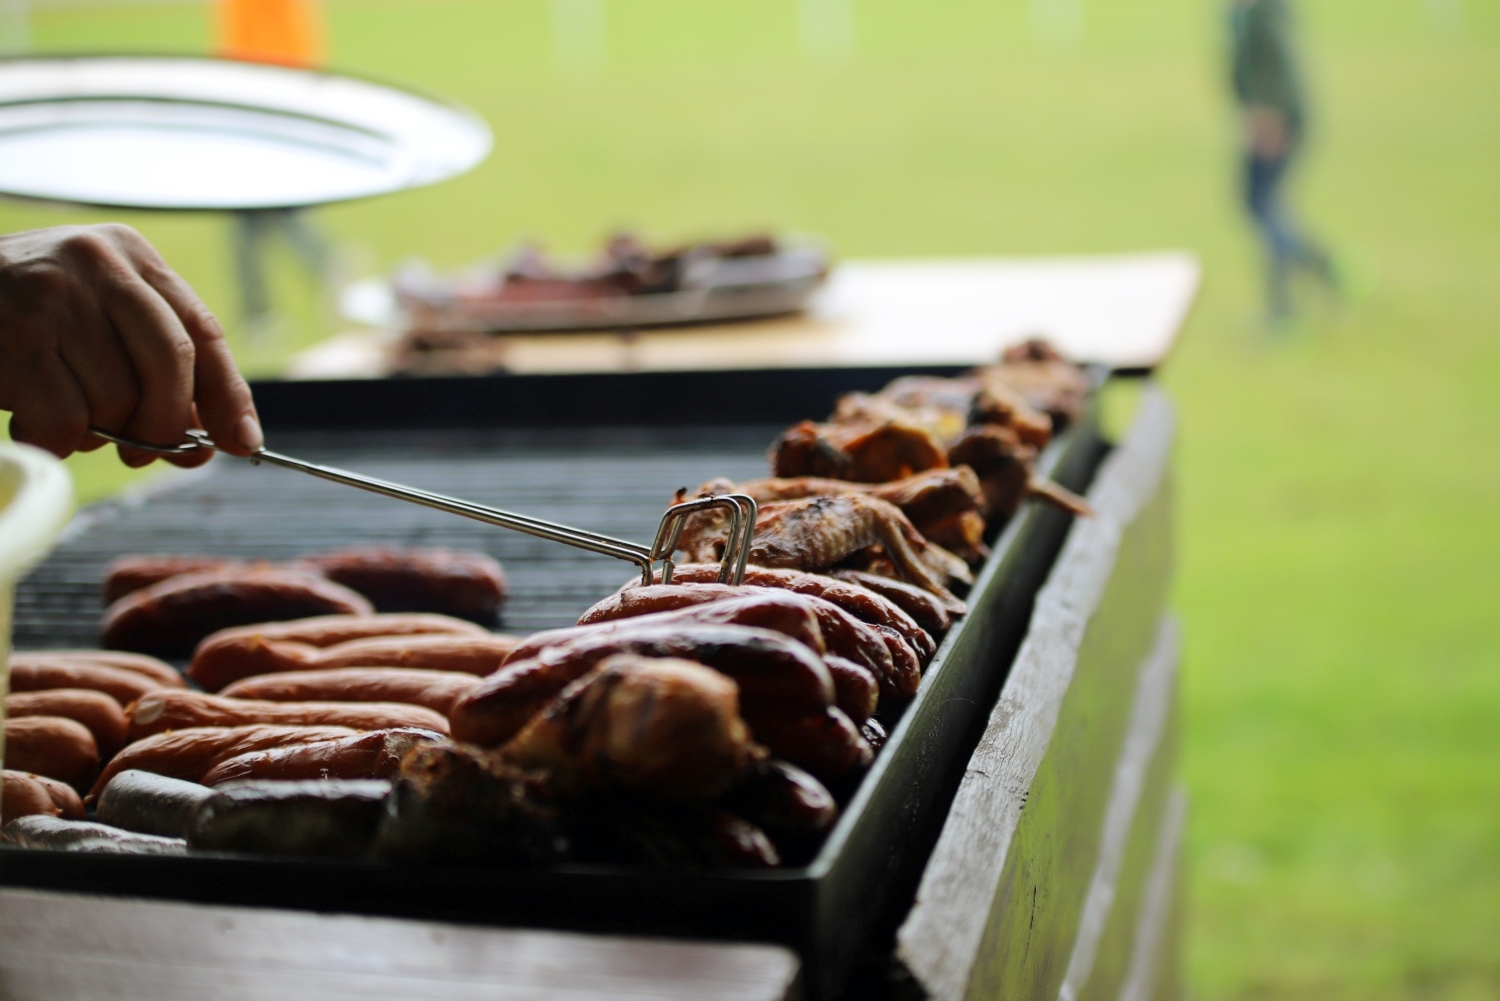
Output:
x,y
1268,86
287,33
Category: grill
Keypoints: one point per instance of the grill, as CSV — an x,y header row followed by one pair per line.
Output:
x,y
603,453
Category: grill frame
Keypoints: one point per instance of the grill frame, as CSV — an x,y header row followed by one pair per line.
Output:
x,y
851,895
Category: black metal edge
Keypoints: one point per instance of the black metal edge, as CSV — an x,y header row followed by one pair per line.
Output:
x,y
737,396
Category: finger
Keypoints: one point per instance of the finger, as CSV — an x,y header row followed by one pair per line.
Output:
x,y
220,391
197,457
99,362
163,357
49,409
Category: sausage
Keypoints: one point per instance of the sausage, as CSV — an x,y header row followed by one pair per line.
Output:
x,y
58,748
225,658
327,817
24,795
776,675
855,690
906,669
36,675
923,606
860,602
64,796
373,755
842,634
56,834
162,673
132,573
464,584
171,617
437,690
151,804
166,710
783,799
827,744
649,835
189,754
97,711
783,613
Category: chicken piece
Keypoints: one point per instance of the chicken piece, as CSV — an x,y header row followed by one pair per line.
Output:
x,y
1003,463
952,404
665,729
865,452
821,532
1046,380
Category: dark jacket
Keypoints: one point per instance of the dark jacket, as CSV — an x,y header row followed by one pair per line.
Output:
x,y
1265,70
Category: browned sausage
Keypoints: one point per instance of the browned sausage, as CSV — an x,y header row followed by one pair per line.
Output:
x,y
171,617
843,635
36,675
786,614
466,584
158,671
373,755
189,754
922,606
776,675
97,711
860,602
827,744
64,796
167,710
436,690
855,689
906,669
224,658
58,748
24,796
131,573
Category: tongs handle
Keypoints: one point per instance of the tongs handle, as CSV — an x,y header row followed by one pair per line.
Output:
x,y
732,569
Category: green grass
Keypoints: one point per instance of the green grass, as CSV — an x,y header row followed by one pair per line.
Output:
x,y
1339,486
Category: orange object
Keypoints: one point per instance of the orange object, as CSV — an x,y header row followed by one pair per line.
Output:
x,y
288,32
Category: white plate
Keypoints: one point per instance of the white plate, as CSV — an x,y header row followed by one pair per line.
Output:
x,y
184,133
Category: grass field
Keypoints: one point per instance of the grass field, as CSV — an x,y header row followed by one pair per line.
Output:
x,y
1340,550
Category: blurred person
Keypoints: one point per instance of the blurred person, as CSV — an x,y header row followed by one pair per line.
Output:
x,y
286,33
1268,85
96,329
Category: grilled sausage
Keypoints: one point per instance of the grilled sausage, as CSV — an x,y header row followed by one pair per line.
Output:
x,y
97,711
373,755
37,675
906,669
24,795
786,614
151,804
436,690
171,617
783,799
855,689
843,635
469,654
132,573
827,744
167,710
64,796
189,754
862,603
328,817
162,673
231,654
57,748
923,606
56,834
776,675
465,584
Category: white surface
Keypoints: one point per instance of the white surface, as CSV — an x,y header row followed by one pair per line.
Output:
x,y
36,499
179,133
1122,311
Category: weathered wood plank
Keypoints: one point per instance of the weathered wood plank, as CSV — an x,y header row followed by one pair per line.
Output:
x,y
1098,609
1152,974
59,947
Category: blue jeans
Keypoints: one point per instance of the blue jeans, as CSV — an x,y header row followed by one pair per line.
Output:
x,y
1287,247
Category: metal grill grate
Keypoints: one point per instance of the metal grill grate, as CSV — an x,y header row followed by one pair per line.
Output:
x,y
616,481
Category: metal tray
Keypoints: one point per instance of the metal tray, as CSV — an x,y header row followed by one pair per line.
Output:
x,y
865,873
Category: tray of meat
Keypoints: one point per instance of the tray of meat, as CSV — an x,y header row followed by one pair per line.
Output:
x,y
312,697
627,285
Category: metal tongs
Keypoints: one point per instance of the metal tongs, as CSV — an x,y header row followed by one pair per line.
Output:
x,y
741,508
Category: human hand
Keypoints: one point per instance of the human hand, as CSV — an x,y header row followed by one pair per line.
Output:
x,y
95,328
1265,131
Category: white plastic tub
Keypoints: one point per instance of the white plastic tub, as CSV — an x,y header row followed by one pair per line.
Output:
x,y
36,500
